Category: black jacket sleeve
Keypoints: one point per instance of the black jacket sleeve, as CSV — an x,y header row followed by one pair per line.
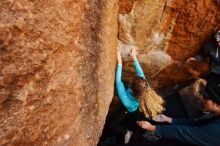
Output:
x,y
203,52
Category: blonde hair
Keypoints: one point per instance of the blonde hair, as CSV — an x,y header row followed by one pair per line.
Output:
x,y
151,103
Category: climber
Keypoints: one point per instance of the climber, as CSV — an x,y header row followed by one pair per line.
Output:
x,y
138,100
211,50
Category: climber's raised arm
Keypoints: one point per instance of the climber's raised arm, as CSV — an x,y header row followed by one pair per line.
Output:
x,y
119,68
130,103
137,66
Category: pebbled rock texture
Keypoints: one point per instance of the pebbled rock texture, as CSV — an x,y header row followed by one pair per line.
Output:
x,y
166,33
57,60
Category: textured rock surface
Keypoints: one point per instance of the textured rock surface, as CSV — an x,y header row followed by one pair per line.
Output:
x,y
125,6
57,60
166,33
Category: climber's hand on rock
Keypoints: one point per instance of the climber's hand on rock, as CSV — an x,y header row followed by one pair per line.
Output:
x,y
191,59
133,54
146,125
119,57
162,118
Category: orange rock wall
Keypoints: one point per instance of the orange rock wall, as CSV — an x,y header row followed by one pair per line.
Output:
x,y
125,6
57,60
58,57
166,33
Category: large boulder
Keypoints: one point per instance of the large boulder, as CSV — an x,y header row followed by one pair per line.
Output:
x,y
57,60
166,33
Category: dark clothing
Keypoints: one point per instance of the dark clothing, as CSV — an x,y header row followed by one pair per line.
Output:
x,y
115,123
203,132
212,51
123,120
212,89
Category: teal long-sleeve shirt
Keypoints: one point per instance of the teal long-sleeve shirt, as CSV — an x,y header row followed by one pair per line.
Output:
x,y
200,133
125,96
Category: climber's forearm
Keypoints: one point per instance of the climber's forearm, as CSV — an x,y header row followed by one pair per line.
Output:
x,y
118,73
138,69
119,59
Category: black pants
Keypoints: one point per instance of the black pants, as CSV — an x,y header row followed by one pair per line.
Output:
x,y
213,87
123,120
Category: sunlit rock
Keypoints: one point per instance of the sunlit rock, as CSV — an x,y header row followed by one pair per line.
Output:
x,y
57,60
176,28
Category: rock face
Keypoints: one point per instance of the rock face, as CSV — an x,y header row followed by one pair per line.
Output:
x,y
166,33
57,60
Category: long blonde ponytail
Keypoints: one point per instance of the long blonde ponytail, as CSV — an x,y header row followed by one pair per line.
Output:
x,y
151,103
